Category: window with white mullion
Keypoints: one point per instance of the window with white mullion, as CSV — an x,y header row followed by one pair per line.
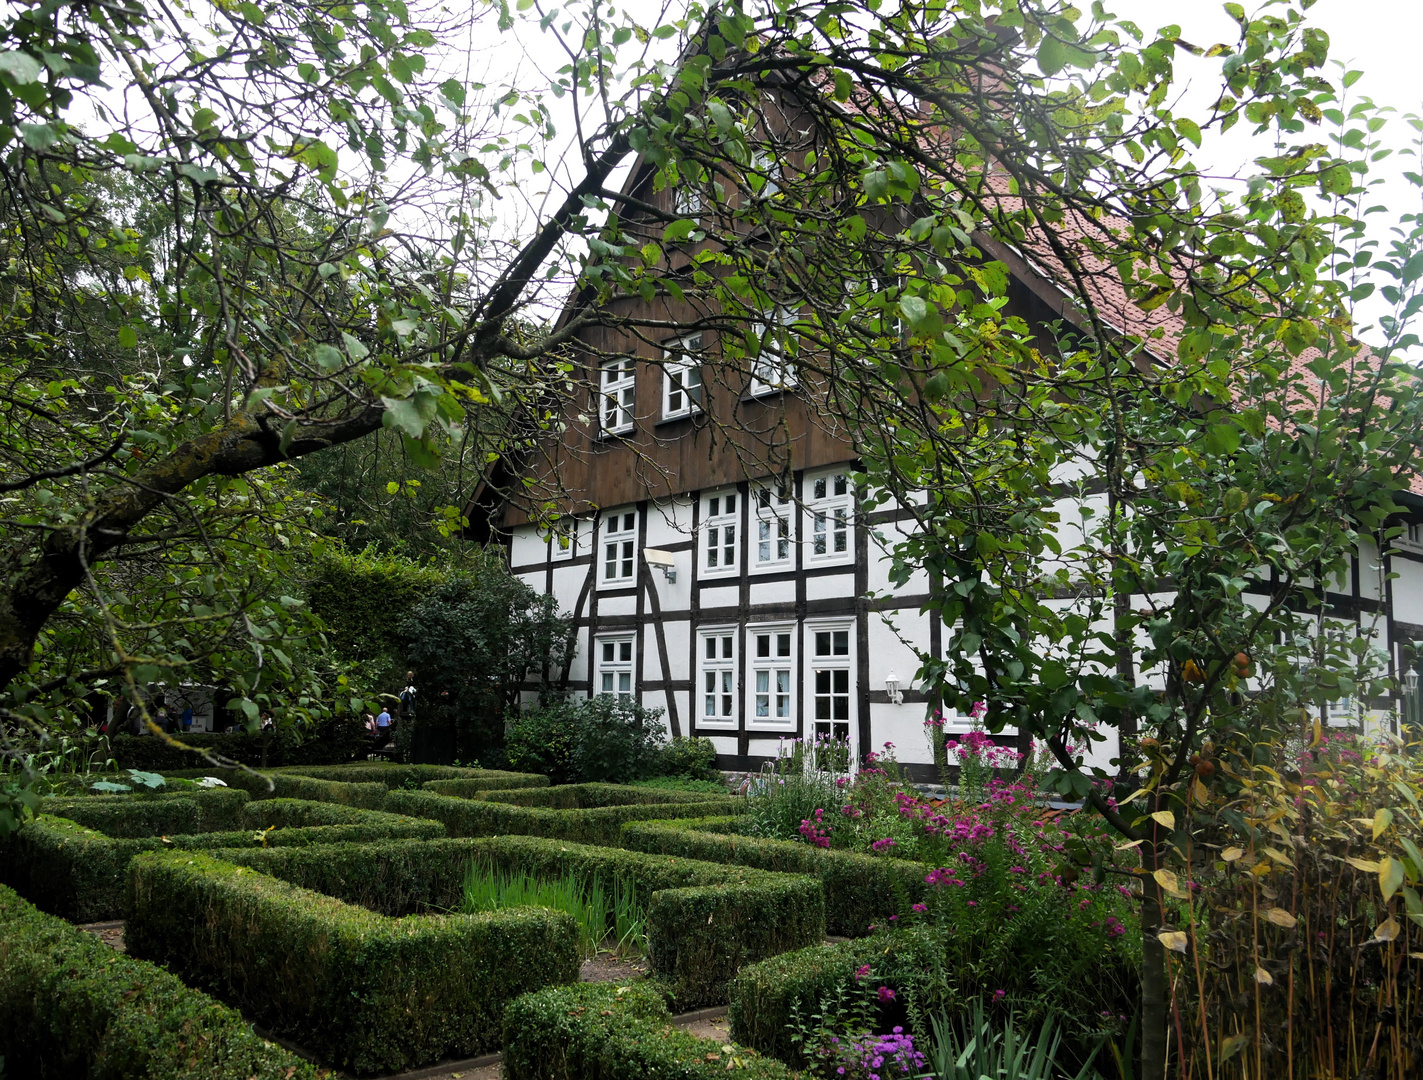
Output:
x,y
563,539
773,527
618,563
830,525
717,659
682,376
617,395
719,524
771,675
831,680
614,663
773,365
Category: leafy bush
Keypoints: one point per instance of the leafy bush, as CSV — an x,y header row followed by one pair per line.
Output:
x,y
414,776
494,781
604,738
587,796
363,991
598,825
331,742
601,1031
72,1007
283,785
689,757
153,815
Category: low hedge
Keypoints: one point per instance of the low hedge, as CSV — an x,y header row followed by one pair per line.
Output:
x,y
860,890
331,743
413,776
765,996
584,796
191,811
361,990
600,1031
79,873
478,817
283,785
705,920
71,1007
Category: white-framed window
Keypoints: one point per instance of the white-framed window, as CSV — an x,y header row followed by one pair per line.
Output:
x,y
614,666
617,391
773,366
830,530
719,544
716,660
687,199
1341,713
1411,539
563,539
831,674
770,667
771,545
682,376
617,563
766,170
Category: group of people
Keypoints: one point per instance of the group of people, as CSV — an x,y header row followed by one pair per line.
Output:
x,y
127,719
381,726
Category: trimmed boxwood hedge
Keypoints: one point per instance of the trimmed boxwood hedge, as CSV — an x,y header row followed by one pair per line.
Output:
x,y
860,890
71,1008
79,873
586,796
705,920
413,776
190,811
361,990
478,817
601,1031
282,785
333,741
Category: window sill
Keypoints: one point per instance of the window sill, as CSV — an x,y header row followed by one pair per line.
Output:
x,y
767,392
678,418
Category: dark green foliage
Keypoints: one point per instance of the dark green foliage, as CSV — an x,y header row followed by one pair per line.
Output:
x,y
587,796
765,996
361,990
860,890
332,742
601,1031
599,825
282,785
73,1009
681,783
153,815
80,873
495,781
579,740
689,757
472,640
414,776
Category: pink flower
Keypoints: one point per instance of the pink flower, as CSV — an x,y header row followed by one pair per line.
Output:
x,y
920,908
999,995
884,993
863,970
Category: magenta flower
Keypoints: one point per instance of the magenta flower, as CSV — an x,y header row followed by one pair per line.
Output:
x,y
863,970
884,993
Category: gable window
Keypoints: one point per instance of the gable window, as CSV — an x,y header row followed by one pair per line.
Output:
x,y
831,681
682,377
773,360
614,674
618,565
717,657
771,669
773,527
563,539
617,392
687,199
719,546
828,509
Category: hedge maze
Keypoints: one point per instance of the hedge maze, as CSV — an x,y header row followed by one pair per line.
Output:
x,y
324,904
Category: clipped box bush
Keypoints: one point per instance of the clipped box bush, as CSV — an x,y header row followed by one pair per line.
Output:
x,y
71,1007
413,776
860,890
190,811
601,1031
361,990
705,920
597,825
587,796
80,873
282,785
334,741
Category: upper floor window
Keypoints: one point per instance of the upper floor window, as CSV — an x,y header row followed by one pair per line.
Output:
x,y
771,667
719,545
617,391
563,539
765,174
773,526
687,199
682,377
828,508
618,565
614,664
773,365
717,656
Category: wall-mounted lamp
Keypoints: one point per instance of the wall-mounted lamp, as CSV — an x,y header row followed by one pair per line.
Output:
x,y
662,560
892,689
1410,681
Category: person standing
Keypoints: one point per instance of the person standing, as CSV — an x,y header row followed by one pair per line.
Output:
x,y
383,727
187,719
407,699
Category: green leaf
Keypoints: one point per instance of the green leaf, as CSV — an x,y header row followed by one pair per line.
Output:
x,y
1337,180
1390,877
1052,55
355,349
914,309
21,67
128,337
329,357
404,414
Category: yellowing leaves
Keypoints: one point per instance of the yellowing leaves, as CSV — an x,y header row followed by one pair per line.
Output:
x,y
1390,877
1168,881
1175,940
1279,917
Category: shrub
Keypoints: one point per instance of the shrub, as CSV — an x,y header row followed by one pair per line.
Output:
x,y
604,738
79,873
332,742
153,815
681,783
413,776
473,788
860,890
600,1031
587,796
361,990
282,785
598,825
72,1007
705,921
689,757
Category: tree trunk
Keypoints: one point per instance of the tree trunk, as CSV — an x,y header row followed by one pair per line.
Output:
x,y
1154,995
